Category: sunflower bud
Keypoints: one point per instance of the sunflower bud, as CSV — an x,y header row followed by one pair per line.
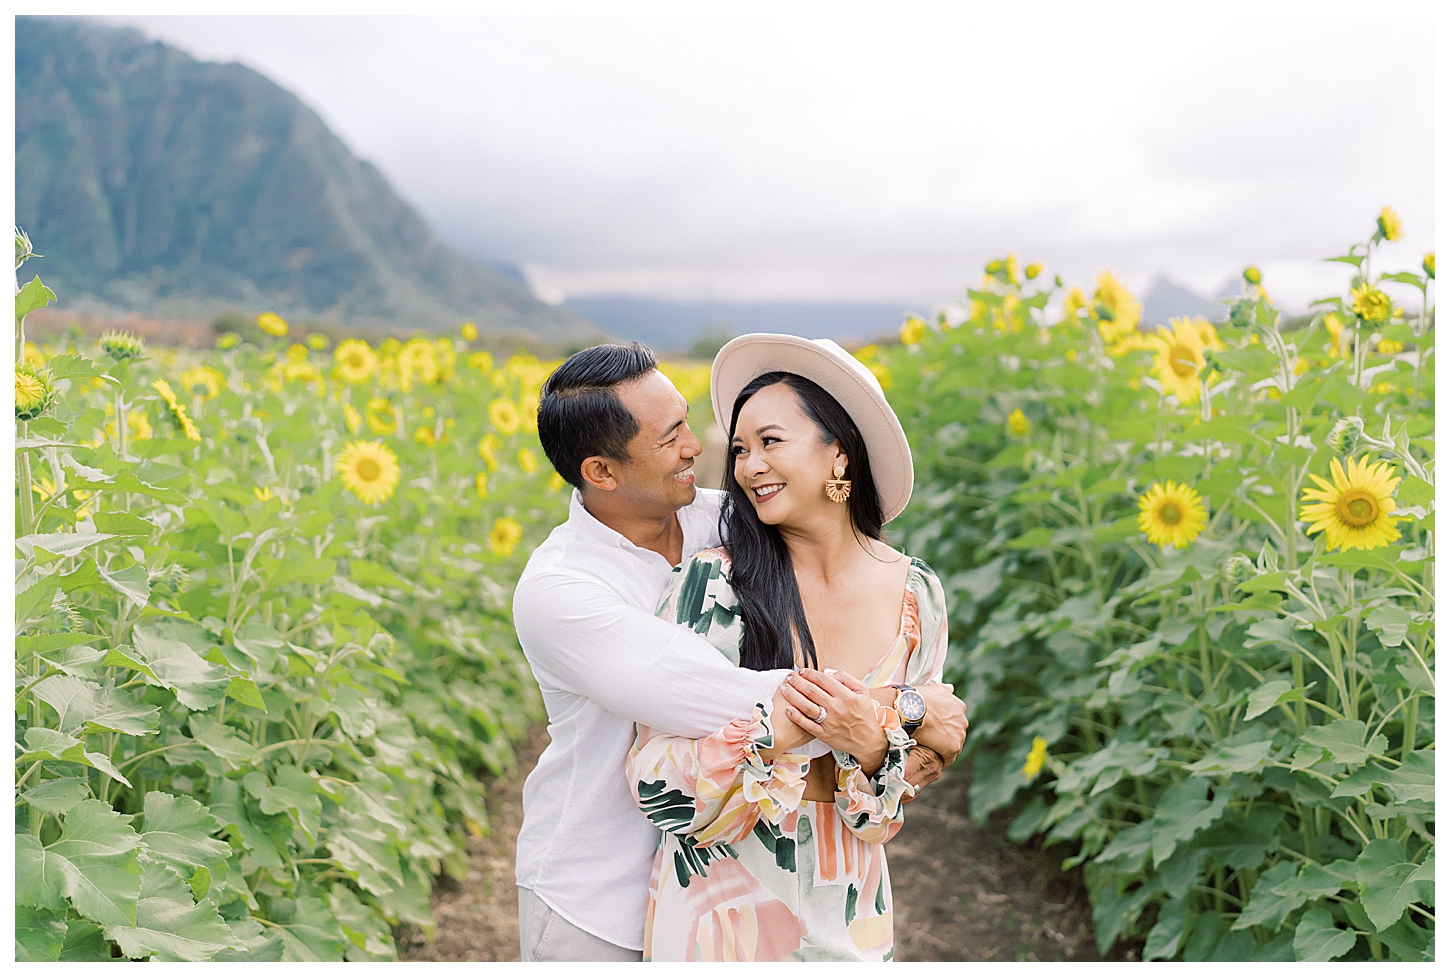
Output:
x,y
34,392
1239,568
1253,276
1429,264
123,346
309,479
1345,435
1241,314
1388,223
1033,270
23,250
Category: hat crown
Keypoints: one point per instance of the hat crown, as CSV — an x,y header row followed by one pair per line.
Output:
x,y
853,385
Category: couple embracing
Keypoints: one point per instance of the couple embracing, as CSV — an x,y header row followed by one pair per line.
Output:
x,y
743,686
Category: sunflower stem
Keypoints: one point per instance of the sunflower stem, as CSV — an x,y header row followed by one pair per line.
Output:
x,y
27,493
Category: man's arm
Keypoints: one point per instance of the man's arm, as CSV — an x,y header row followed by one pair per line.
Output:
x,y
587,641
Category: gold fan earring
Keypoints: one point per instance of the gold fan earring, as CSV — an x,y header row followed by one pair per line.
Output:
x,y
838,489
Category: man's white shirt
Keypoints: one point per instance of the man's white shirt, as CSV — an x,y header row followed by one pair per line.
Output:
x,y
584,610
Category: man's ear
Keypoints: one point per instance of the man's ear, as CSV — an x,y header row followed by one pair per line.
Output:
x,y
600,472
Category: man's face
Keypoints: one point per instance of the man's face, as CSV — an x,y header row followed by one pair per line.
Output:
x,y
659,476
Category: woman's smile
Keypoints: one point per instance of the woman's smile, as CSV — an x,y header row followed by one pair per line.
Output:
x,y
764,492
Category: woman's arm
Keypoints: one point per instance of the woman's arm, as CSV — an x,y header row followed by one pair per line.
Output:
x,y
713,790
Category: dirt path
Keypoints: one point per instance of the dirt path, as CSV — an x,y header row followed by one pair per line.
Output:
x,y
962,892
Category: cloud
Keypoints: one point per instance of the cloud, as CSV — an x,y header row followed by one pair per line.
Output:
x,y
868,158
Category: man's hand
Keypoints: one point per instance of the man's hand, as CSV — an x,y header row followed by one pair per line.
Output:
x,y
945,728
923,766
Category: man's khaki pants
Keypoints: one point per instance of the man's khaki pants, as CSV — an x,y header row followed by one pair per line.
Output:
x,y
544,935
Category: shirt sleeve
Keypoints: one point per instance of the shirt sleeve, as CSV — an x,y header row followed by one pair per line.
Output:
x,y
584,639
712,790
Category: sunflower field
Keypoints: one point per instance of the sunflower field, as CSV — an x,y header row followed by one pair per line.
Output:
x,y
263,642
1191,572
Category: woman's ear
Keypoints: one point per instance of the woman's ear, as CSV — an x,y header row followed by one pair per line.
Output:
x,y
841,460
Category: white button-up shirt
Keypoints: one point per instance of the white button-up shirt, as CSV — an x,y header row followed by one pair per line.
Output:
x,y
585,614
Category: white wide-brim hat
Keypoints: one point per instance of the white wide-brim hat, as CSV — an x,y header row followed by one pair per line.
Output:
x,y
843,377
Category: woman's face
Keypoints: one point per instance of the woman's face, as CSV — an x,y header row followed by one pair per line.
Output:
x,y
780,460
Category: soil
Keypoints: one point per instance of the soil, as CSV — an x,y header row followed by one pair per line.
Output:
x,y
962,891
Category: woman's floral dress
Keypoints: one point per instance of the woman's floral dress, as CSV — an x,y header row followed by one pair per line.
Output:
x,y
747,870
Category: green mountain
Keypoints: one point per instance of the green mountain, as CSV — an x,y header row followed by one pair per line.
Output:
x,y
156,183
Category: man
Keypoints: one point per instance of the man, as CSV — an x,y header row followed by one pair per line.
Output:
x,y
616,429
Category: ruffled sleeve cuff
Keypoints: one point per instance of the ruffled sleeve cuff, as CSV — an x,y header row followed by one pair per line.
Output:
x,y
777,787
875,800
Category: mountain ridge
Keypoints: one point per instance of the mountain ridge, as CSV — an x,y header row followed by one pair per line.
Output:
x,y
159,184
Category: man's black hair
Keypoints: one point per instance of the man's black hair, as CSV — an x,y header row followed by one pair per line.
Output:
x,y
580,413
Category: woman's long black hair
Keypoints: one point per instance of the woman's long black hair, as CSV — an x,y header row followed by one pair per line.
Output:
x,y
761,573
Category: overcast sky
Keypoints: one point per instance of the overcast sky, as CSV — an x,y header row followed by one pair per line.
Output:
x,y
874,159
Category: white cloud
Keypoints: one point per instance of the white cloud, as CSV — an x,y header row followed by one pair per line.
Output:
x,y
871,158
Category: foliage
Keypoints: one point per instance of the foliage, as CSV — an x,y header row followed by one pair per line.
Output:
x,y
1233,735
252,709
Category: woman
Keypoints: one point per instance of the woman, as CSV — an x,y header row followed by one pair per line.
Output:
x,y
775,826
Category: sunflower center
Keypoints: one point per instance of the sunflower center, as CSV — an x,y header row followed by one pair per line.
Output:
x,y
1170,513
1358,508
369,470
355,361
1182,360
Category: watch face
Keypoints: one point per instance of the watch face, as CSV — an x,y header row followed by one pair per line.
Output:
x,y
911,706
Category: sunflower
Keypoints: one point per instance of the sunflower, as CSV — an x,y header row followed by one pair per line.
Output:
x,y
1389,224
527,461
1356,510
1171,514
1370,304
488,446
177,409
263,493
1036,758
355,361
482,361
1017,423
480,484
369,470
1118,313
204,380
1428,263
505,416
1033,270
34,392
468,331
529,408
380,416
1389,347
1074,302
272,324
1180,359
417,360
556,482
138,426
505,535
1335,327
913,330
352,418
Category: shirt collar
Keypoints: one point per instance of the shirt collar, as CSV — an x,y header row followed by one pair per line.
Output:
x,y
695,520
605,536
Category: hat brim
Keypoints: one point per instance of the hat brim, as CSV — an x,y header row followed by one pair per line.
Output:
x,y
843,377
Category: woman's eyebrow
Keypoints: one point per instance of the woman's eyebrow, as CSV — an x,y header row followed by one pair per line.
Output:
x,y
769,427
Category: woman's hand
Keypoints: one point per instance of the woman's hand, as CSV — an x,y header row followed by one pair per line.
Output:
x,y
838,710
789,736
